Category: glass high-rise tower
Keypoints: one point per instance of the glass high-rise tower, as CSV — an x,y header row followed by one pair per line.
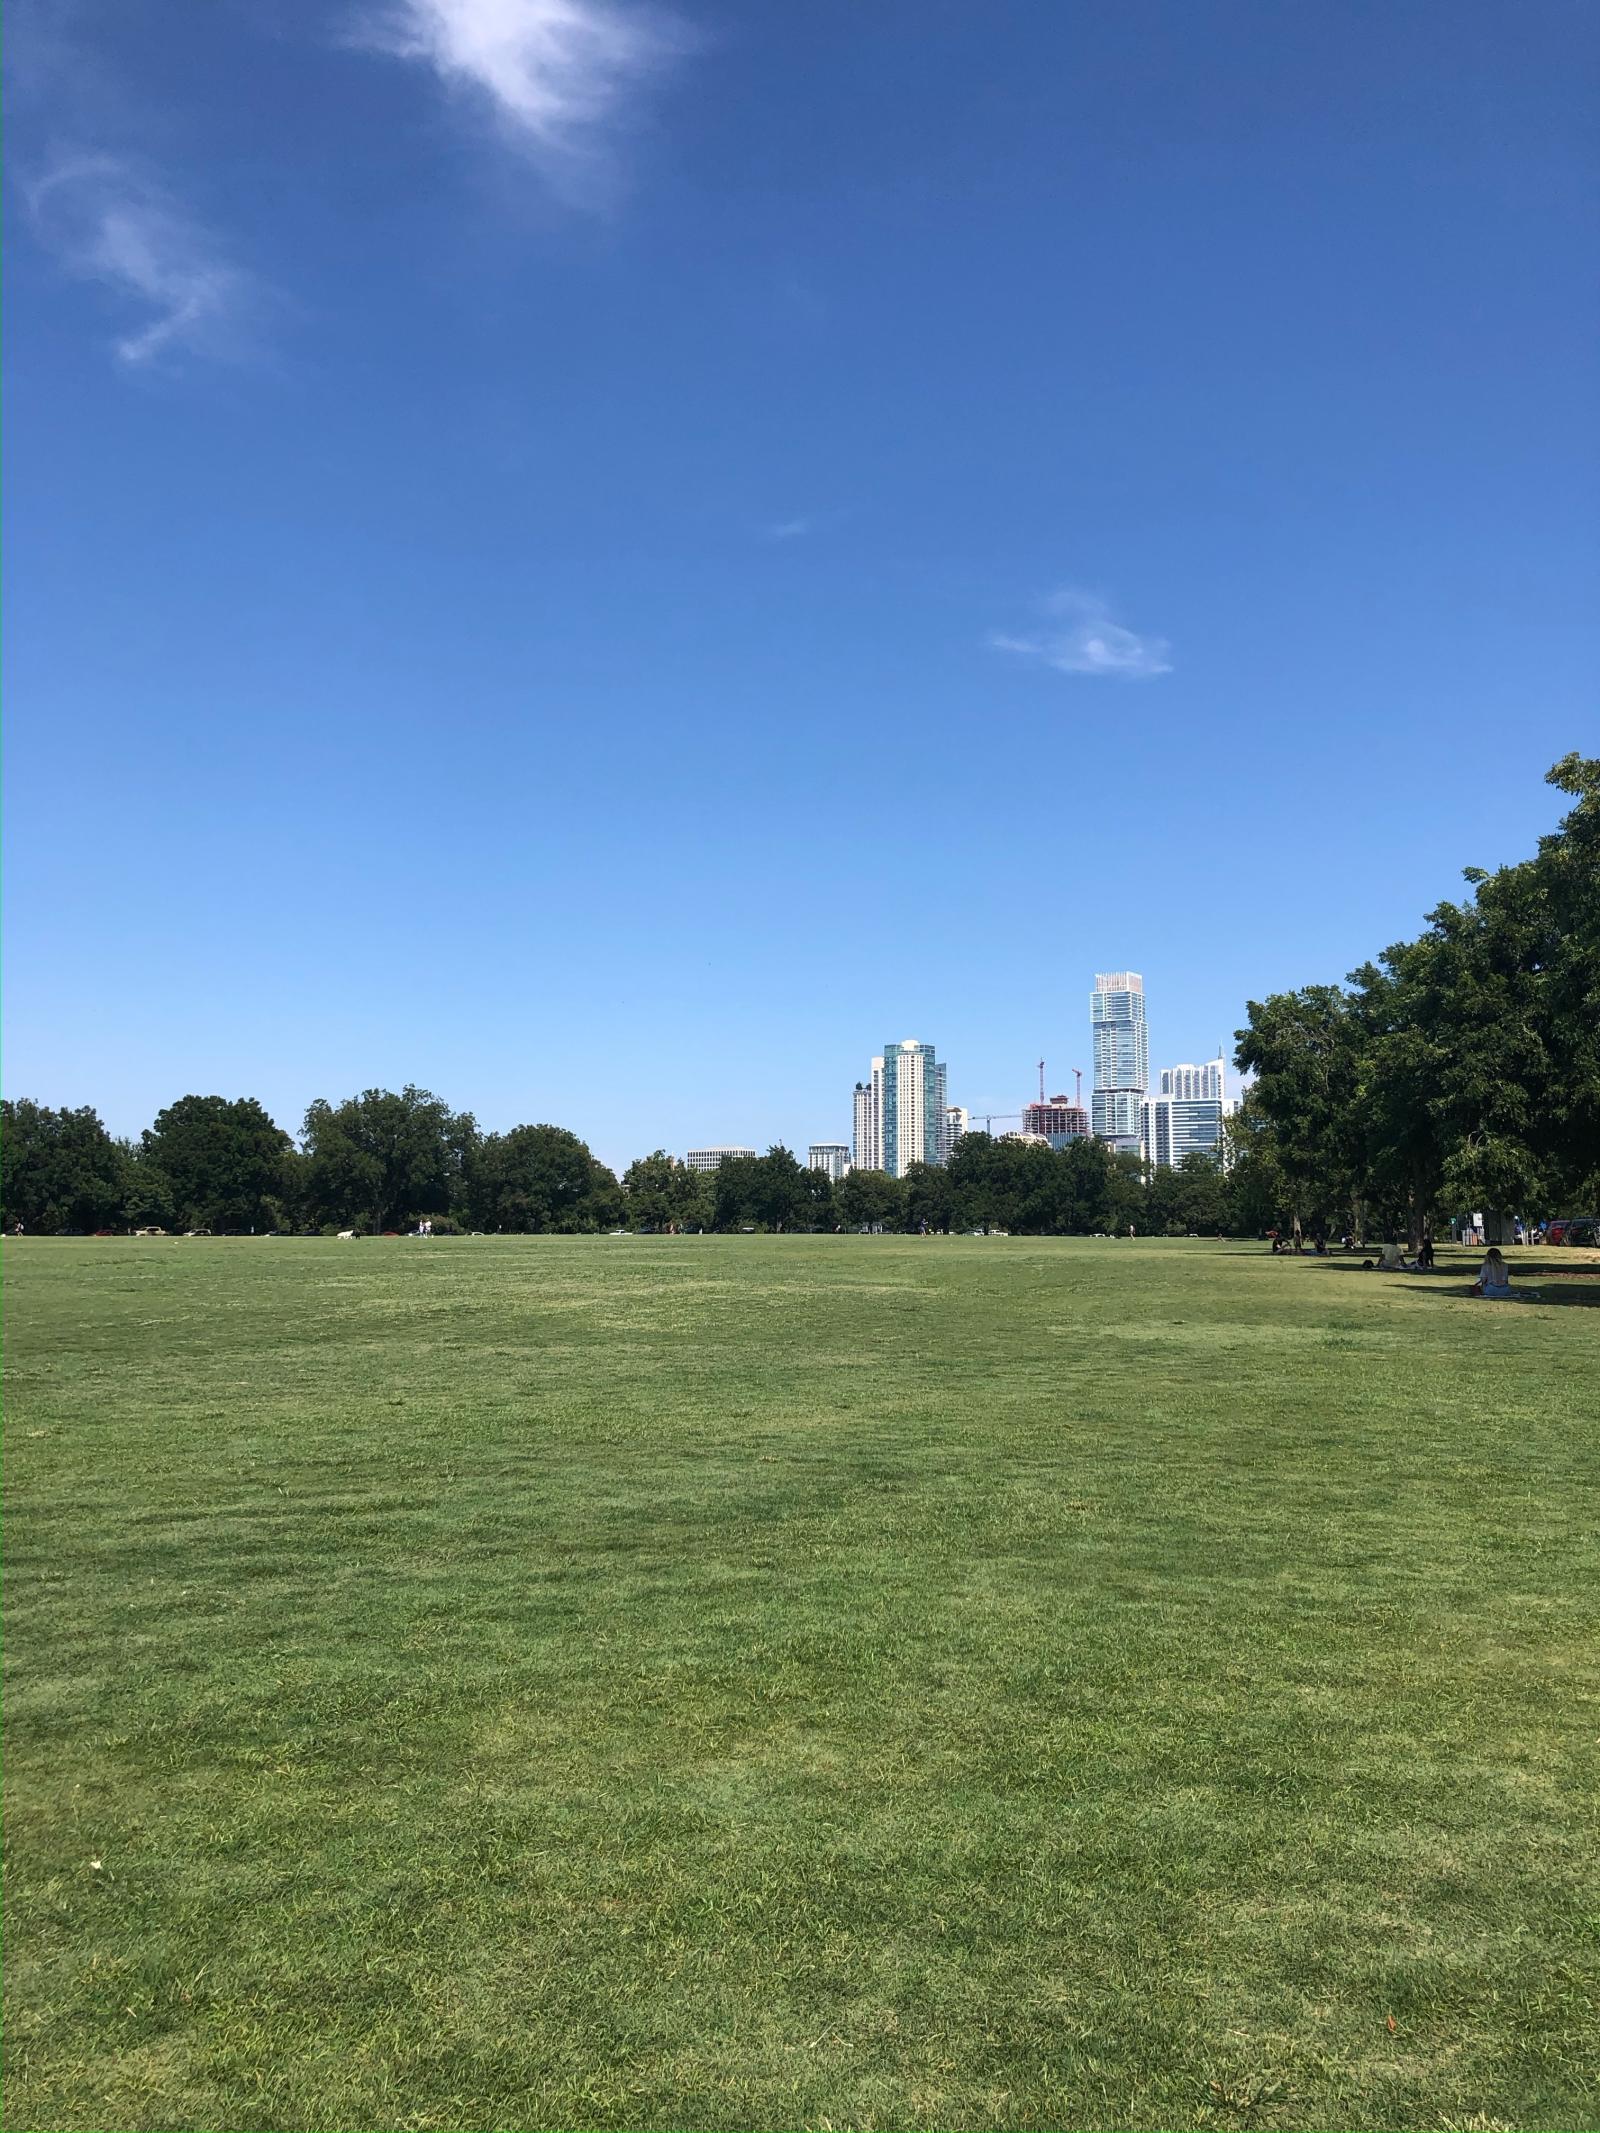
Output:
x,y
1121,1057
900,1112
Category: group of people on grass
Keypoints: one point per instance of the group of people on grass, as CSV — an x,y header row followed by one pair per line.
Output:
x,y
1494,1276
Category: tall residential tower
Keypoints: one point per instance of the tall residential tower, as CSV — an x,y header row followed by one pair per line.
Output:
x,y
868,1128
900,1112
1121,1057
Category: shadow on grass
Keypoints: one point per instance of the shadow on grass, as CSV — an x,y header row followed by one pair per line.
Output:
x,y
1530,1278
1526,1291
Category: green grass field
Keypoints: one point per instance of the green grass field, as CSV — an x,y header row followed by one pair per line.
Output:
x,y
860,1682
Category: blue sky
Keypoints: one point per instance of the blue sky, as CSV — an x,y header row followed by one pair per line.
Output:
x,y
608,562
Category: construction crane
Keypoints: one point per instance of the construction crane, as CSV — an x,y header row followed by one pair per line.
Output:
x,y
989,1118
1041,1081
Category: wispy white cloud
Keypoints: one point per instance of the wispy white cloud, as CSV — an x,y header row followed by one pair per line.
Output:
x,y
107,221
788,529
552,73
1081,638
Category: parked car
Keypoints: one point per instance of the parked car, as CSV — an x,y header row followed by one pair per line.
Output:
x,y
1581,1230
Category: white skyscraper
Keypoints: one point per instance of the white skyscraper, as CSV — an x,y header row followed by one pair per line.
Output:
x,y
1121,1057
869,1120
957,1120
831,1156
1189,1082
1186,1117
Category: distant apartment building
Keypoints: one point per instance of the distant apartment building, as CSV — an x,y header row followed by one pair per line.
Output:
x,y
709,1158
1186,1117
831,1156
1056,1120
1121,1058
957,1120
868,1130
900,1111
1189,1082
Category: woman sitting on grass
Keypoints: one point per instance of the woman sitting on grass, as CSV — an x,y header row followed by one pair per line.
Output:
x,y
1494,1276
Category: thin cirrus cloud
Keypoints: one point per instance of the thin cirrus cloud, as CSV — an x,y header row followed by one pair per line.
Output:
x,y
108,221
1081,638
553,74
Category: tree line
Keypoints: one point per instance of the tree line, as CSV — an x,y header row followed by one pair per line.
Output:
x,y
384,1160
1458,1072
379,1161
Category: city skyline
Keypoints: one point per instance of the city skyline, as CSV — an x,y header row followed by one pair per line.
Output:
x,y
1185,1112
439,604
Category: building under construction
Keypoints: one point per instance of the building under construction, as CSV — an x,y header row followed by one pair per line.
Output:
x,y
1058,1119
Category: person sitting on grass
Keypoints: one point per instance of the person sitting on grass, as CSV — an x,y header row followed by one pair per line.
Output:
x,y
1494,1276
1425,1253
1393,1259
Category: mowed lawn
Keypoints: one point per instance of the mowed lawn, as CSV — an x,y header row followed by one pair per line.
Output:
x,y
859,1682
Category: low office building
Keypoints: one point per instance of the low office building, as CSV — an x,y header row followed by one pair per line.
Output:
x,y
709,1158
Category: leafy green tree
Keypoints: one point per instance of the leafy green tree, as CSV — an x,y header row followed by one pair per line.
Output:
x,y
222,1161
1257,1191
1500,1001
1200,1195
927,1197
1082,1188
289,1207
661,1193
1463,1070
146,1193
382,1159
820,1211
1009,1184
539,1178
59,1170
869,1196
769,1192
1305,1049
987,1182
736,1193
783,1199
1125,1193
1038,1202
